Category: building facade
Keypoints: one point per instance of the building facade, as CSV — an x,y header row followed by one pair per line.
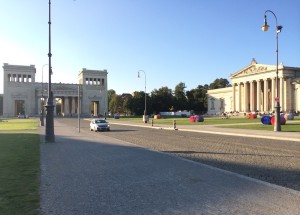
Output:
x,y
23,95
254,90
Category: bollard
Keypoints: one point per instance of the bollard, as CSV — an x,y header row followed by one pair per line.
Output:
x,y
174,124
152,122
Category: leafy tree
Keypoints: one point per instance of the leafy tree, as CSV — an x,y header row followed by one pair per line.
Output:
x,y
126,104
180,97
110,94
136,104
116,104
197,99
162,99
219,83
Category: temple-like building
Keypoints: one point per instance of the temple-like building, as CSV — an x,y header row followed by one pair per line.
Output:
x,y
254,90
23,95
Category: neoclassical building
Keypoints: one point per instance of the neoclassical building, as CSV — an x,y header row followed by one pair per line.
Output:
x,y
254,90
23,95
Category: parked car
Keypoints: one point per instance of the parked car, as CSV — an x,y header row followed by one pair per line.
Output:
x,y
99,125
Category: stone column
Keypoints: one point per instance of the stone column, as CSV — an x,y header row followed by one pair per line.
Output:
x,y
288,95
273,94
266,101
54,103
281,94
258,96
246,99
66,106
252,102
39,105
233,97
95,109
240,96
297,98
73,105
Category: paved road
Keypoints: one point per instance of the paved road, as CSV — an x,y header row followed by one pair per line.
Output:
x,y
274,161
90,173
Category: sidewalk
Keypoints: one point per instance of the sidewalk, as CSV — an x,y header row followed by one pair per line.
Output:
x,y
213,129
89,173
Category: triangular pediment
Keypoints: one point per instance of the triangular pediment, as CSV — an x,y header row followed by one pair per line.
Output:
x,y
253,69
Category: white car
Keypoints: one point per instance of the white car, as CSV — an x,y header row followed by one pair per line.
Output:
x,y
99,125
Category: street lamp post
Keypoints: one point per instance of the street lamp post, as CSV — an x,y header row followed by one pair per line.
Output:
x,y
145,110
265,27
42,112
49,137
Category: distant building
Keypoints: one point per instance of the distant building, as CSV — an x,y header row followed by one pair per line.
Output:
x,y
254,90
23,95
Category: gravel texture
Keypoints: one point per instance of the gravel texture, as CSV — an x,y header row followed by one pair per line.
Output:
x,y
276,162
104,173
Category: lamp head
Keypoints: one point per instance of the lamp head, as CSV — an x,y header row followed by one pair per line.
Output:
x,y
265,27
138,74
279,28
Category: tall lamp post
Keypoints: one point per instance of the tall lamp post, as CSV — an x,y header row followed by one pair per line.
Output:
x,y
265,27
49,137
145,110
42,112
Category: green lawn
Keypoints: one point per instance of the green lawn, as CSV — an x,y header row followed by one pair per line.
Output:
x,y
186,121
255,124
19,166
18,124
290,126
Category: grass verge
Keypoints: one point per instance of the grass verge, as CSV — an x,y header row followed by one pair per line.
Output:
x,y
185,121
20,168
241,123
289,127
18,124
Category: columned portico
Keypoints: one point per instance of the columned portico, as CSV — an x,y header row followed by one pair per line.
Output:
x,y
258,96
233,98
22,95
266,95
281,92
54,103
246,97
273,94
73,105
240,98
254,89
252,96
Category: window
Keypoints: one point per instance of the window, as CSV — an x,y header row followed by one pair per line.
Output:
x,y
221,103
212,104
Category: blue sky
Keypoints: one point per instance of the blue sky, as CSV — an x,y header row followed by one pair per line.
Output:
x,y
190,41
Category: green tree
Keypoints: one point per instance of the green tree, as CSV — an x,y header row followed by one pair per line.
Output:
x,y
110,96
197,99
180,97
116,104
137,104
219,83
162,99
